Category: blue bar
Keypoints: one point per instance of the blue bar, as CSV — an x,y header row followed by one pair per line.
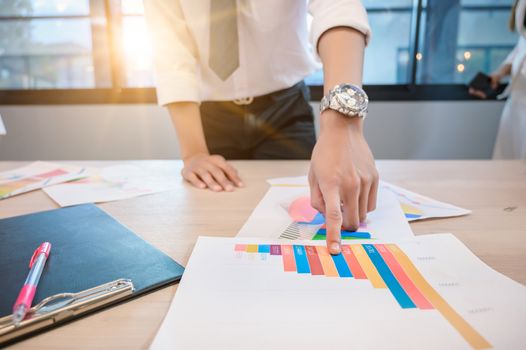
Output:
x,y
264,248
390,280
302,264
341,265
344,233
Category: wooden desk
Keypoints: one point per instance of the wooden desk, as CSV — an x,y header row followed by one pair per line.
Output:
x,y
496,231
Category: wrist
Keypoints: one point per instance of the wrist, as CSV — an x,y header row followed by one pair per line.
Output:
x,y
333,120
186,156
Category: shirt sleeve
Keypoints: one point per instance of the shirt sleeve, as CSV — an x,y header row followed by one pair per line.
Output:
x,y
327,14
174,52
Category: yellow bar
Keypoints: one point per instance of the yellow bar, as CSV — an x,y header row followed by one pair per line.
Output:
x,y
367,266
252,248
469,333
329,268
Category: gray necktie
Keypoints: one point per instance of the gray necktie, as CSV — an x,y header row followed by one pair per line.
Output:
x,y
224,42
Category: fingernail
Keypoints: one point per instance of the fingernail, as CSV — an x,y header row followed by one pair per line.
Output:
x,y
335,248
240,184
202,186
217,188
229,188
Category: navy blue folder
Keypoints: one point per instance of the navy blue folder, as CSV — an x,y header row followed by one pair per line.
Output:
x,y
89,248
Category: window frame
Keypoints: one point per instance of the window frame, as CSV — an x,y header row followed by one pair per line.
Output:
x,y
118,94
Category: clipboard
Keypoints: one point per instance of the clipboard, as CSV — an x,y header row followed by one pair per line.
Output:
x,y
96,262
59,308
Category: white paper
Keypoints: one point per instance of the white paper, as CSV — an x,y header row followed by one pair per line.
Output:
x,y
418,207
37,175
271,219
238,300
113,183
414,205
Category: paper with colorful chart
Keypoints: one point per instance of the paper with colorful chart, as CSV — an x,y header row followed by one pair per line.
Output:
x,y
415,206
429,292
35,176
285,212
113,183
418,207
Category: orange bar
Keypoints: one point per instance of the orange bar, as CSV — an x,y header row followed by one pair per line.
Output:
x,y
252,248
289,264
466,331
367,266
326,261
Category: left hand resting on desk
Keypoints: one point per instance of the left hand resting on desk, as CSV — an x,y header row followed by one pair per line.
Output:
x,y
343,178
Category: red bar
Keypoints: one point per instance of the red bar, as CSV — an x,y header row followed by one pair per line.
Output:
x,y
289,264
412,291
314,260
353,263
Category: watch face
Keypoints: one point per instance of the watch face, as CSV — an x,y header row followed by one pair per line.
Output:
x,y
350,99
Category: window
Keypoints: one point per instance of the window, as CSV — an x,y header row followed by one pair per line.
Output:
x,y
462,37
92,47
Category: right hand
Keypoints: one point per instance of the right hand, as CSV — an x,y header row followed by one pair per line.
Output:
x,y
211,171
495,79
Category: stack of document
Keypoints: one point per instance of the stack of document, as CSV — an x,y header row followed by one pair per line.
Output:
x,y
276,286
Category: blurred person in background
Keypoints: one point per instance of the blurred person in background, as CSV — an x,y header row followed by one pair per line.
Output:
x,y
511,138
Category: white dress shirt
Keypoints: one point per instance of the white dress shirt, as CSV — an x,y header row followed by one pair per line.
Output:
x,y
274,50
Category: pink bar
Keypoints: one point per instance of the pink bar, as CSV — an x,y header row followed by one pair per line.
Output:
x,y
240,247
416,296
289,264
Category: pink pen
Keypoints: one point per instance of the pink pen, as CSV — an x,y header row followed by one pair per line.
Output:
x,y
27,293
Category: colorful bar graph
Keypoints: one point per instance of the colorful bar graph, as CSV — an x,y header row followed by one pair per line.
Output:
x,y
326,261
396,289
289,264
341,265
314,260
353,263
474,338
240,247
264,248
344,234
275,249
302,264
367,266
416,296
252,248
384,265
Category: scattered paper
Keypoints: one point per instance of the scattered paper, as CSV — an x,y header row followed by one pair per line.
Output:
x,y
429,292
273,218
35,176
418,207
113,183
415,206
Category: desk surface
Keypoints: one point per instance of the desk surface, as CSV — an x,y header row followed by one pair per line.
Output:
x,y
496,231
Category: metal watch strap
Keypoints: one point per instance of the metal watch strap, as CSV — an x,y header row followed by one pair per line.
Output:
x,y
348,99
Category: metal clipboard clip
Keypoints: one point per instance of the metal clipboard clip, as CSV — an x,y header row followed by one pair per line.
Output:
x,y
59,307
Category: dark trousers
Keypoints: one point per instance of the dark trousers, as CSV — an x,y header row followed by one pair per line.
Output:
x,y
279,125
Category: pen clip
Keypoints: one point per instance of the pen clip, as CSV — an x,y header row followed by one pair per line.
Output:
x,y
43,248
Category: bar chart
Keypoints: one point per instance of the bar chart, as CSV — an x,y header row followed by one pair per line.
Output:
x,y
386,266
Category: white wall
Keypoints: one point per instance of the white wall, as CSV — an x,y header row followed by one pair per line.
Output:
x,y
404,130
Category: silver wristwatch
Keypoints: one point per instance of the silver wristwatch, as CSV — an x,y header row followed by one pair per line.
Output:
x,y
348,99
